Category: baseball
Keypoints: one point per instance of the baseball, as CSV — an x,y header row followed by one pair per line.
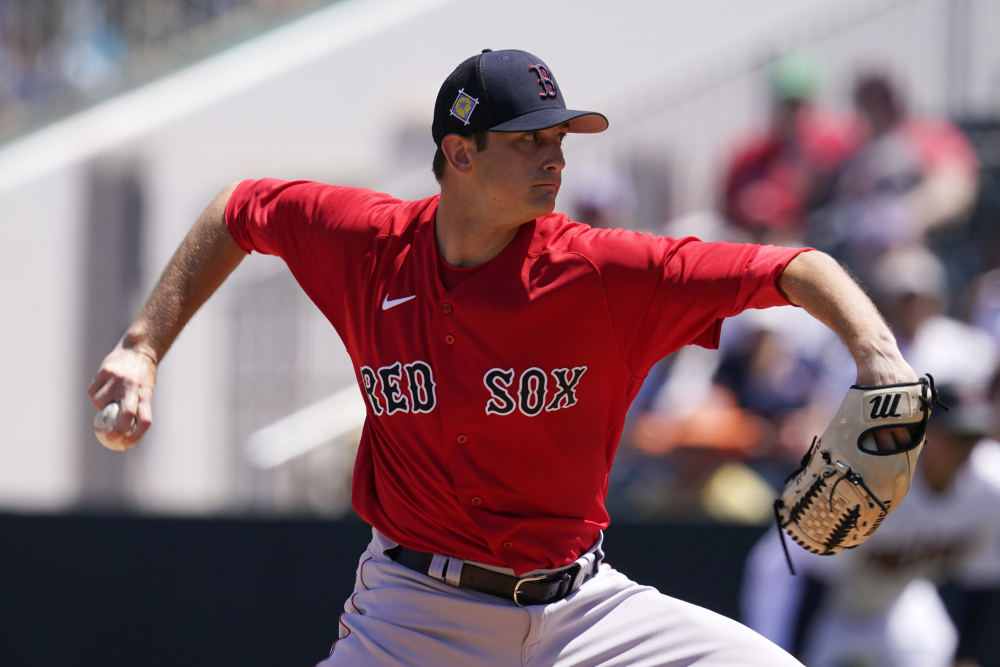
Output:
x,y
104,422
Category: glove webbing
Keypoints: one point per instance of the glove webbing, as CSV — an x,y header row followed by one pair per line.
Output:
x,y
779,504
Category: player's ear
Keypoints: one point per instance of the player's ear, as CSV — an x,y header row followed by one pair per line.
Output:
x,y
458,152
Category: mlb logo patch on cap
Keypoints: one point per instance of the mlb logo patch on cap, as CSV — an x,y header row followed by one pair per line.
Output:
x,y
463,106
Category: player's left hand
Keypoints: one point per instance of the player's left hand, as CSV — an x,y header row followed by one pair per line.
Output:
x,y
892,439
841,492
880,371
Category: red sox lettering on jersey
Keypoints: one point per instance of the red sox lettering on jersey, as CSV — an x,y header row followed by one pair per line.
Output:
x,y
387,394
497,394
385,391
531,390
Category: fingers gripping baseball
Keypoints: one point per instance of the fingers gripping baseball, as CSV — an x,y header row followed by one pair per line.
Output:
x,y
881,371
127,376
891,439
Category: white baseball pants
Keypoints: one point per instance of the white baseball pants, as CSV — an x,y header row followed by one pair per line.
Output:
x,y
401,618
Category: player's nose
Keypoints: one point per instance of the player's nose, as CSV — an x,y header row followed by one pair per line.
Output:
x,y
554,160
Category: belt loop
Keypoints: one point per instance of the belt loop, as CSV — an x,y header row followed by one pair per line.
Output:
x,y
586,566
453,571
436,569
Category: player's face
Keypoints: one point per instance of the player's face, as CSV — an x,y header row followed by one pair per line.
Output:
x,y
521,172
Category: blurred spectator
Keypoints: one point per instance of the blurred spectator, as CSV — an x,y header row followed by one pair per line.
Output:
x,y
909,286
776,178
985,307
93,51
911,176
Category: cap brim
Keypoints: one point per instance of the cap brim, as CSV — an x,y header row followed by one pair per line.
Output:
x,y
584,122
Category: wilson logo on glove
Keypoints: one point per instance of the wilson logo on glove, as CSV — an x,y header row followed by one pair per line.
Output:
x,y
845,486
888,405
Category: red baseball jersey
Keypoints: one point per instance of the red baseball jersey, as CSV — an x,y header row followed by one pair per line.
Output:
x,y
495,407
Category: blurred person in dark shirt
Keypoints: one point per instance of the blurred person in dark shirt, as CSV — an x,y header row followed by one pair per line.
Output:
x,y
777,177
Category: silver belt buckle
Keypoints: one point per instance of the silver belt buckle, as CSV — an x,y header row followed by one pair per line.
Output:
x,y
517,588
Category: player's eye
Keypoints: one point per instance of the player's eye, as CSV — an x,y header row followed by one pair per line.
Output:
x,y
530,136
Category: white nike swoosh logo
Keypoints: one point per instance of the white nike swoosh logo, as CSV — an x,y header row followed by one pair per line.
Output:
x,y
387,304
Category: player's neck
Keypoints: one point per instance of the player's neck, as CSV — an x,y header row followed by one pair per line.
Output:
x,y
468,234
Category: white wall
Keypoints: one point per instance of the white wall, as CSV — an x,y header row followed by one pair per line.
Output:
x,y
40,227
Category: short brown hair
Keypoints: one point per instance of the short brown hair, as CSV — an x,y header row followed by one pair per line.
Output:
x,y
481,138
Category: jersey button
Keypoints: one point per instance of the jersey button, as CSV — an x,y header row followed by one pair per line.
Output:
x,y
508,545
462,438
449,339
446,308
477,501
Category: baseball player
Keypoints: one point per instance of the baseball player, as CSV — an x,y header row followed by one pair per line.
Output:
x,y
877,606
498,346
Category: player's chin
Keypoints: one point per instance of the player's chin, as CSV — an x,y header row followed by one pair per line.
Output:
x,y
544,200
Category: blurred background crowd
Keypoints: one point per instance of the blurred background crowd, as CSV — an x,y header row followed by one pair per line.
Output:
x,y
57,56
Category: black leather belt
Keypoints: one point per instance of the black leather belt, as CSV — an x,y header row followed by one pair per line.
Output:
x,y
523,591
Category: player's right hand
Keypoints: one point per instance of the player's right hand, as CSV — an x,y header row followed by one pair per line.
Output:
x,y
127,375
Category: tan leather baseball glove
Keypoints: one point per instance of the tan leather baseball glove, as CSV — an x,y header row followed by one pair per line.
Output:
x,y
845,486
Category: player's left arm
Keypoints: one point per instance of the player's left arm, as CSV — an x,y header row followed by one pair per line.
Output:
x,y
817,283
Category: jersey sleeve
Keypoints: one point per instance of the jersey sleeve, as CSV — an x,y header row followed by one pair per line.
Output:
x,y
322,232
665,293
291,219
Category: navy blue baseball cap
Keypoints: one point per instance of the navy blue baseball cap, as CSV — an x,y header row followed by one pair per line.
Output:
x,y
505,91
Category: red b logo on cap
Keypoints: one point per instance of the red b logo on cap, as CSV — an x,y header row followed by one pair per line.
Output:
x,y
548,87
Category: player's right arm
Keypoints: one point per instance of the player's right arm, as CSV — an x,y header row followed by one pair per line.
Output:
x,y
206,256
